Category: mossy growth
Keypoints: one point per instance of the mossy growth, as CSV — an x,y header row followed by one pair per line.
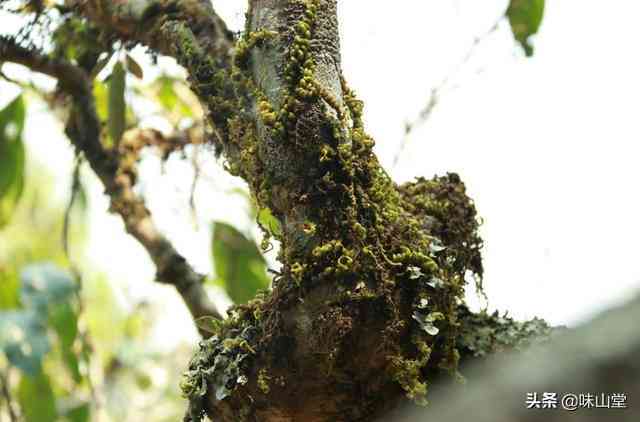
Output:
x,y
408,373
398,253
247,43
263,381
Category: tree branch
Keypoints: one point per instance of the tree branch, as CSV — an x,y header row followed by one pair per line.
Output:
x,y
142,21
116,170
436,92
599,357
365,310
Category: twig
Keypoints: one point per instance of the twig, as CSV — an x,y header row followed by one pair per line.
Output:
x,y
196,177
75,188
83,334
438,90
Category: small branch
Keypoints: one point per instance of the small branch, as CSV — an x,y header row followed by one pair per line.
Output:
x,y
118,176
192,33
75,188
194,184
438,90
142,20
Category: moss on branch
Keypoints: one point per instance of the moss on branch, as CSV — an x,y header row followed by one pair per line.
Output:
x,y
368,301
371,270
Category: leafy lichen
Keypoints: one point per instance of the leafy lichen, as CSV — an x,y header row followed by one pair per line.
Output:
x,y
221,363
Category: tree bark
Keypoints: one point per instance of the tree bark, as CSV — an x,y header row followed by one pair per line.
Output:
x,y
368,308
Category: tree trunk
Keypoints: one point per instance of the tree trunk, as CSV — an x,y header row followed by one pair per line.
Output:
x,y
367,308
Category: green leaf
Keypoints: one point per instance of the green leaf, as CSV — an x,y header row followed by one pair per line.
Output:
x,y
23,339
101,94
143,380
209,324
12,158
64,321
525,17
169,99
44,285
427,322
238,263
117,107
36,399
9,293
270,222
23,334
133,67
79,413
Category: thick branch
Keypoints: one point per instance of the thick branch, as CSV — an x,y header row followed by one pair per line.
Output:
x,y
116,170
367,266
599,357
142,21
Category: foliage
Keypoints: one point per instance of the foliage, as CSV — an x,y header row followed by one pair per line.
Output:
x,y
12,158
239,263
525,17
38,385
45,307
77,340
117,107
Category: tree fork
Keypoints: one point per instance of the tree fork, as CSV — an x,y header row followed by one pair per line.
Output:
x,y
368,306
366,309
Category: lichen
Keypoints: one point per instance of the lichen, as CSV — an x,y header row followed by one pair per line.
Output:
x,y
483,333
222,362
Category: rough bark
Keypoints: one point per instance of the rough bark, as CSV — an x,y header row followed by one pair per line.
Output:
x,y
367,309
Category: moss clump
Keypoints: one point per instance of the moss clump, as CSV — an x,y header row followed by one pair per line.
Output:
x,y
247,43
300,67
408,373
483,333
263,381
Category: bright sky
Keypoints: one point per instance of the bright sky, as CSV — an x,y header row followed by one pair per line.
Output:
x,y
548,147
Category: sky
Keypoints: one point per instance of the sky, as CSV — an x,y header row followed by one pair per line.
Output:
x,y
548,148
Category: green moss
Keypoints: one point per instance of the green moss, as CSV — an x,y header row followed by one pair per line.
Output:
x,y
247,43
297,271
405,248
263,381
300,67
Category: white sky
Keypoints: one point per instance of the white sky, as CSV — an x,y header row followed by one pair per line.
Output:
x,y
548,147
